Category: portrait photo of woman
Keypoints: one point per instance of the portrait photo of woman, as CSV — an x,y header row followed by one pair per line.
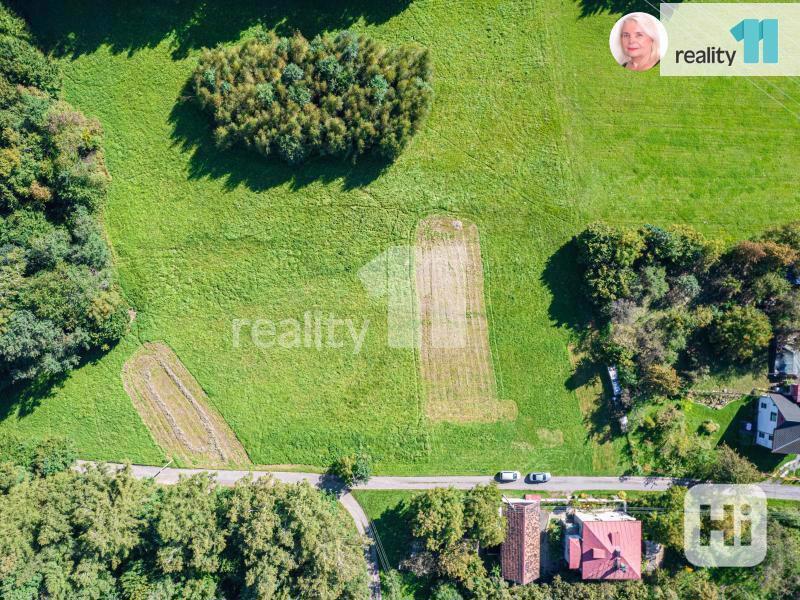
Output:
x,y
638,41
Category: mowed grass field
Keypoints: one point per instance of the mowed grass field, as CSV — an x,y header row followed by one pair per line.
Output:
x,y
534,133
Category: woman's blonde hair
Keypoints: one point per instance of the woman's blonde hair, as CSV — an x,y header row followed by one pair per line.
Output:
x,y
649,25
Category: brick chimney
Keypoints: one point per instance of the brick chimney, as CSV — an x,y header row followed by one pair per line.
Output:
x,y
794,392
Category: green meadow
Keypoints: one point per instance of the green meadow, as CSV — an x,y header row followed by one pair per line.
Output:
x,y
534,133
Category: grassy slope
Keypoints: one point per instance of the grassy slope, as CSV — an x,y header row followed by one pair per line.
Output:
x,y
530,136
385,509
716,152
202,238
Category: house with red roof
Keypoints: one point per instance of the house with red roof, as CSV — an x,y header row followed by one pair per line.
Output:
x,y
519,555
604,545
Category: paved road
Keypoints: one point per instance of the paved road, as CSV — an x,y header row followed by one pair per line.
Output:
x,y
556,484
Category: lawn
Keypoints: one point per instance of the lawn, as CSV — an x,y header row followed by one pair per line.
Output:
x,y
534,133
386,510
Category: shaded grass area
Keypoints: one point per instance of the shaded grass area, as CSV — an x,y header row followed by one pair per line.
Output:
x,y
387,510
76,27
88,408
730,432
534,133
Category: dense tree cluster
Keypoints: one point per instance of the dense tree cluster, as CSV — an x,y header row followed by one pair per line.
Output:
x,y
113,537
25,456
58,294
672,304
452,525
342,95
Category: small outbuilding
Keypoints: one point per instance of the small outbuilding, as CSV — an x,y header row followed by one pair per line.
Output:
x,y
653,556
613,378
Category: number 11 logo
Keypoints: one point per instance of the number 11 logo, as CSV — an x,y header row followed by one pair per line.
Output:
x,y
753,31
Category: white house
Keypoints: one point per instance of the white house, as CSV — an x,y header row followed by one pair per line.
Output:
x,y
767,421
778,424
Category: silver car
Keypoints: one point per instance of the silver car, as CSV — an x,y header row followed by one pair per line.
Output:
x,y
542,477
507,476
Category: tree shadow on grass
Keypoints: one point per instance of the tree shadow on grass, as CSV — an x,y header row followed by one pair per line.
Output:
x,y
394,532
569,306
192,133
76,27
585,373
602,421
22,399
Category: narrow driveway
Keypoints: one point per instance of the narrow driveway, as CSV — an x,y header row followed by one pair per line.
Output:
x,y
364,527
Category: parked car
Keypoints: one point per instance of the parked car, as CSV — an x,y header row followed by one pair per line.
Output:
x,y
507,476
542,477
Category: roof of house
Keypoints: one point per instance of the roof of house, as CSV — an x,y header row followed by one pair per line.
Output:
x,y
611,550
788,408
786,439
787,361
574,552
519,557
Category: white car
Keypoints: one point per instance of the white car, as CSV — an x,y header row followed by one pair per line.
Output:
x,y
542,477
507,476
